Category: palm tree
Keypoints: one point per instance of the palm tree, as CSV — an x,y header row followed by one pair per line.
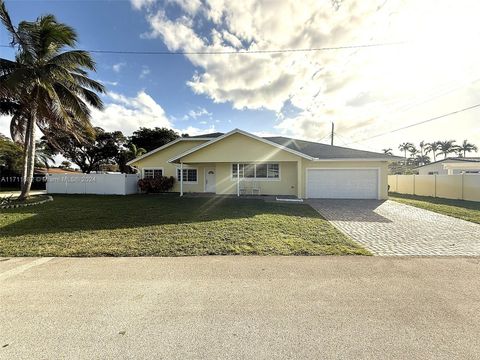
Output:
x,y
134,152
43,155
432,147
422,147
387,151
466,147
447,147
405,147
413,153
422,160
46,86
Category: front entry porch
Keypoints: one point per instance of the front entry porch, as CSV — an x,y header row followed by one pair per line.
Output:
x,y
241,179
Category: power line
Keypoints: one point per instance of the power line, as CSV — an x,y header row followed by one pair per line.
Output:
x,y
238,52
418,123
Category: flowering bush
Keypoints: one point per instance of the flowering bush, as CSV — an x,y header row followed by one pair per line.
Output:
x,y
156,185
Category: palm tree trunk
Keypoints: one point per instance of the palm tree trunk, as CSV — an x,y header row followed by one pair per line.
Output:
x,y
29,165
26,145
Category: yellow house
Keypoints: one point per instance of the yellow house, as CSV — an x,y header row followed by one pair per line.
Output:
x,y
242,163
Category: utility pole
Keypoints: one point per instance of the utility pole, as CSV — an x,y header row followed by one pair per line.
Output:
x,y
333,128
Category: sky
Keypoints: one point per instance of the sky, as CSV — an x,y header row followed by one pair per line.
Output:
x,y
433,69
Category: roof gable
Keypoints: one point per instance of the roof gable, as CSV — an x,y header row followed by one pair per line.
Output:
x,y
167,145
244,133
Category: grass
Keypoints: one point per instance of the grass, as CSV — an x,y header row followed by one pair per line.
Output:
x,y
466,210
166,225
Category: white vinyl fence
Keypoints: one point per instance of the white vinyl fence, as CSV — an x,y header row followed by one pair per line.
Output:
x,y
101,184
461,186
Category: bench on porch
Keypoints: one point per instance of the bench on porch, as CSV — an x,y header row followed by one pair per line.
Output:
x,y
249,188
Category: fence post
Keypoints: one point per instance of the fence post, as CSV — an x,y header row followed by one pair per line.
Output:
x,y
396,183
413,177
435,186
463,186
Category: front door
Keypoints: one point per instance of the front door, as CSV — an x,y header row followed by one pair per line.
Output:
x,y
210,180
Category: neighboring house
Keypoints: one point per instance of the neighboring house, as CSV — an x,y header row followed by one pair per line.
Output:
x,y
242,163
451,166
54,170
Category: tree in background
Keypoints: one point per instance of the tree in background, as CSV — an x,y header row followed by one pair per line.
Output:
x,y
466,147
421,160
447,147
10,155
43,155
129,153
413,153
45,87
135,152
91,151
65,164
150,139
405,147
422,146
433,148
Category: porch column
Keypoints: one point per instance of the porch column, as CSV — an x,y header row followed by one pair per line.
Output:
x,y
181,178
238,179
299,179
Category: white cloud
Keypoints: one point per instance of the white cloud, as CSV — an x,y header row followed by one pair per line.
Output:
x,y
193,131
106,82
191,7
145,71
364,91
118,67
197,113
138,4
5,125
129,113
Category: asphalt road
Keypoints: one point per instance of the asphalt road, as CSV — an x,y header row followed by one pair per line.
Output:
x,y
240,308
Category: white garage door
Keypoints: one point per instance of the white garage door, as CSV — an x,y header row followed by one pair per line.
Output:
x,y
342,183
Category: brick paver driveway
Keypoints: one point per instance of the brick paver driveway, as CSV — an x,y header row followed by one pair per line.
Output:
x,y
389,228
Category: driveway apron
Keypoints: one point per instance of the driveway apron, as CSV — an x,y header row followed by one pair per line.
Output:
x,y
388,228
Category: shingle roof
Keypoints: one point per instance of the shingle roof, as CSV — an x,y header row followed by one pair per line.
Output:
x,y
324,151
211,135
461,159
308,148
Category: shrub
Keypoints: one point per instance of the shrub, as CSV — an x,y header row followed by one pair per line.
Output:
x,y
156,185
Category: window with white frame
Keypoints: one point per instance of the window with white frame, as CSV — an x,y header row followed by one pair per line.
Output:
x,y
256,171
189,175
152,173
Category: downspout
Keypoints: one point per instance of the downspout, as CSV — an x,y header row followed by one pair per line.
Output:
x,y
181,178
238,179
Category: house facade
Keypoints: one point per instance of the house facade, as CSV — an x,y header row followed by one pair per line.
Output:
x,y
451,166
242,163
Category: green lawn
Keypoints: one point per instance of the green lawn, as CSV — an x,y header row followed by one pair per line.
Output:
x,y
166,225
466,210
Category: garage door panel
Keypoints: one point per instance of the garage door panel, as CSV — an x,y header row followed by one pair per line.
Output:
x,y
342,183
